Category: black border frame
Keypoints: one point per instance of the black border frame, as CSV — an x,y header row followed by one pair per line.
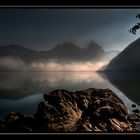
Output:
x,y
72,4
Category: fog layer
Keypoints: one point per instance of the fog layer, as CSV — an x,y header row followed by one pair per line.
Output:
x,y
16,64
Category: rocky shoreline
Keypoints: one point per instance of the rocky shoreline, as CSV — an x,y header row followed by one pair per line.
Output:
x,y
91,110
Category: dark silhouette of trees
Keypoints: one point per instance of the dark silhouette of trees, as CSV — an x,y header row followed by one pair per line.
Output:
x,y
134,29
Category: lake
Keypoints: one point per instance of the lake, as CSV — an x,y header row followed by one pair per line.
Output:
x,y
22,91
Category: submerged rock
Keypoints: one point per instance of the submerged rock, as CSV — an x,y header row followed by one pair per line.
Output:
x,y
133,105
90,110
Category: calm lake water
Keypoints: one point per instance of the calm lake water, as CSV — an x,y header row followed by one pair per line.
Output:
x,y
21,92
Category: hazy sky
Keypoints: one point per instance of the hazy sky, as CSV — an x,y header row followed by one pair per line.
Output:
x,y
42,29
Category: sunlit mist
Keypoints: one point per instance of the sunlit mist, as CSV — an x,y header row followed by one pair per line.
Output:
x,y
82,66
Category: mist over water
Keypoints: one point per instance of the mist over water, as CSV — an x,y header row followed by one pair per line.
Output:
x,y
74,66
12,63
16,64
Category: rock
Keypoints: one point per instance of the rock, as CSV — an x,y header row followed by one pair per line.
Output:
x,y
24,129
17,122
90,110
136,111
133,105
133,117
104,110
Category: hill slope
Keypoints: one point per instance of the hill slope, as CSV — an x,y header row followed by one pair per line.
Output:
x,y
127,60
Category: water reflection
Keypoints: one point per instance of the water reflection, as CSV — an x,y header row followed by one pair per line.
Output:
x,y
127,82
22,91
19,85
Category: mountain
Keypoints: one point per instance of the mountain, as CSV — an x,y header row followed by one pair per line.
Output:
x,y
63,52
127,60
70,52
93,50
18,51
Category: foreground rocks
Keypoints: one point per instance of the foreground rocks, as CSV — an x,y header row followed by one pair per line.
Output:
x,y
91,110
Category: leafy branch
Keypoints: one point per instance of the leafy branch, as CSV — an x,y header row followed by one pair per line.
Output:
x,y
134,29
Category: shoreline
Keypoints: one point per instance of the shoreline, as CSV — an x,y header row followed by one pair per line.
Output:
x,y
90,110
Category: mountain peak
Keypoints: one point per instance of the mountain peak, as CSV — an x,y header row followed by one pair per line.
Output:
x,y
92,43
67,46
94,50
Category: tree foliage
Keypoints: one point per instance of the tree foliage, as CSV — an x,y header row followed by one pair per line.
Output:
x,y
134,29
